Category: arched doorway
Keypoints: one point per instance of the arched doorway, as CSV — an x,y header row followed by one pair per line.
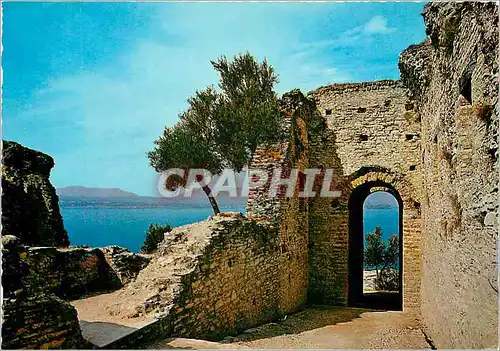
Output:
x,y
358,295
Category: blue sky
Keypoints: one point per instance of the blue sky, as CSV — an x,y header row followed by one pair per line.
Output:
x,y
93,84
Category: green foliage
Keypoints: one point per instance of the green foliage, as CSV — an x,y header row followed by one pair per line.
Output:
x,y
223,128
154,235
249,104
383,257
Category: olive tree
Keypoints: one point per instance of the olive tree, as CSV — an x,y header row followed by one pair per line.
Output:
x,y
383,256
221,128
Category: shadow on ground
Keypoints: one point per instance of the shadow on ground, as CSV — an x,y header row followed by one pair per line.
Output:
x,y
381,300
102,333
311,318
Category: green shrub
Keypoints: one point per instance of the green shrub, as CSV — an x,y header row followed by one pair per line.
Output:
x,y
383,256
154,236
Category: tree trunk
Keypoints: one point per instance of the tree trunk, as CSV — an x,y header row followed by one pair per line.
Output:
x,y
212,200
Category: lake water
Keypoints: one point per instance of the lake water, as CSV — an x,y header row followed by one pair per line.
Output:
x,y
386,218
96,226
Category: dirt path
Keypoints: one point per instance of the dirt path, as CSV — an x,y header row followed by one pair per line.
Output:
x,y
322,328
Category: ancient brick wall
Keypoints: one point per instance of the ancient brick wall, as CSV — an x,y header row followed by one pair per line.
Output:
x,y
125,264
33,317
310,144
215,278
374,125
71,273
370,124
328,224
453,77
238,283
349,127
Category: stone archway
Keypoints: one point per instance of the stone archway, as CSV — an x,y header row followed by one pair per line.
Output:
x,y
359,186
356,242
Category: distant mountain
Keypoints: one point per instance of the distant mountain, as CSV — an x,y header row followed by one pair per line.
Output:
x,y
381,199
80,196
82,191
380,206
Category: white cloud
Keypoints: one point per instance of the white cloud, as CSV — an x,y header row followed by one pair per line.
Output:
x,y
377,25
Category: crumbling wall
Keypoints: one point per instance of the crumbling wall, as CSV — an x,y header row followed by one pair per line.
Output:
x,y
212,279
70,273
238,282
453,76
32,317
125,264
30,209
328,218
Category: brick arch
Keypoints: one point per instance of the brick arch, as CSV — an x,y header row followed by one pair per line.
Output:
x,y
396,181
357,188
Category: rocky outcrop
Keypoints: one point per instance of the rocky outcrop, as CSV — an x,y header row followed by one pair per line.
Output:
x,y
453,77
30,209
32,316
71,273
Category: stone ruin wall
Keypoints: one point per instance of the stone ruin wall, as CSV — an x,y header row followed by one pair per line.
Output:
x,y
71,273
38,282
241,281
32,316
453,77
374,124
370,124
328,226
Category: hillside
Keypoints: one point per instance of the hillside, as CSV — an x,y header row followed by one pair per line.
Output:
x,y
82,191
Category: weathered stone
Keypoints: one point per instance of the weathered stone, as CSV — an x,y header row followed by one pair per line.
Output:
x,y
430,139
30,208
125,264
32,317
70,273
453,77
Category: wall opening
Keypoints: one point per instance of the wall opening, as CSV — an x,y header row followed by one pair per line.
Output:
x,y
371,205
466,88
